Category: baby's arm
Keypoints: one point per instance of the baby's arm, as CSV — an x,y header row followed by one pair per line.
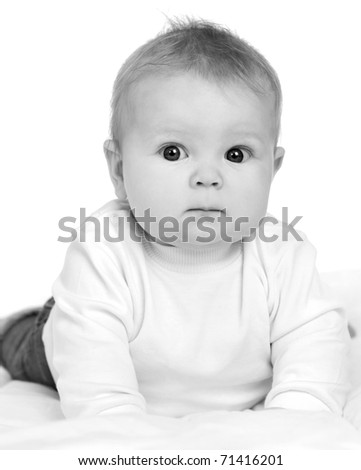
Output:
x,y
309,338
87,338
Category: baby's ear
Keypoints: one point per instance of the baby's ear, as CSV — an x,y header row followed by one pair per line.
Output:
x,y
279,154
115,166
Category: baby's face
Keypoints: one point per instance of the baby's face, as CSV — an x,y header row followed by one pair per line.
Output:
x,y
191,145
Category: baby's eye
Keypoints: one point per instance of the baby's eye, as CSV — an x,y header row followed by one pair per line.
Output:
x,y
172,152
238,155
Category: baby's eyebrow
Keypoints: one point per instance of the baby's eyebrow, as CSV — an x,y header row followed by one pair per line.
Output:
x,y
244,134
254,138
233,134
164,134
170,131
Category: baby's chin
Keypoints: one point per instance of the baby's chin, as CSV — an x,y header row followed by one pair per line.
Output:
x,y
197,238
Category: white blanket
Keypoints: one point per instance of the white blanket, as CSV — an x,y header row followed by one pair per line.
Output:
x,y
31,418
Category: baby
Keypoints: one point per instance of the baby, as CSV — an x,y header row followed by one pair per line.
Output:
x,y
180,299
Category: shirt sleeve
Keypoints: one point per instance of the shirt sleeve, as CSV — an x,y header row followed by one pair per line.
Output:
x,y
90,328
309,337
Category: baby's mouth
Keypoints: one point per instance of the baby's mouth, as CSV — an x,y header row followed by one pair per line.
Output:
x,y
207,209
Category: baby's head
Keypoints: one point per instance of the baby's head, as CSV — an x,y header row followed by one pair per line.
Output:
x,y
195,122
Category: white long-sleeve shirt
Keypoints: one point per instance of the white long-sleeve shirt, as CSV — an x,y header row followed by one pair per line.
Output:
x,y
146,327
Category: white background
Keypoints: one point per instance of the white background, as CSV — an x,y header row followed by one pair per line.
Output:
x,y
58,63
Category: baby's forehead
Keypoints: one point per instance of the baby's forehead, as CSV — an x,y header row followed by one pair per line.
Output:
x,y
171,108
186,94
172,86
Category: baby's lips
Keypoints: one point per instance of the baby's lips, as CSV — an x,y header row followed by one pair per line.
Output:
x,y
207,209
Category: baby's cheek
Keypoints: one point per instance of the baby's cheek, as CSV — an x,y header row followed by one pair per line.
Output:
x,y
248,210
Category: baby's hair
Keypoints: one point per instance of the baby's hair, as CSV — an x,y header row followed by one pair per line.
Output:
x,y
211,51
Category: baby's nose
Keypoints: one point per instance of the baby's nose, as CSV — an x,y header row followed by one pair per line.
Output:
x,y
207,177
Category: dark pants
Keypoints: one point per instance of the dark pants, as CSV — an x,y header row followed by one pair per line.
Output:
x,y
22,350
